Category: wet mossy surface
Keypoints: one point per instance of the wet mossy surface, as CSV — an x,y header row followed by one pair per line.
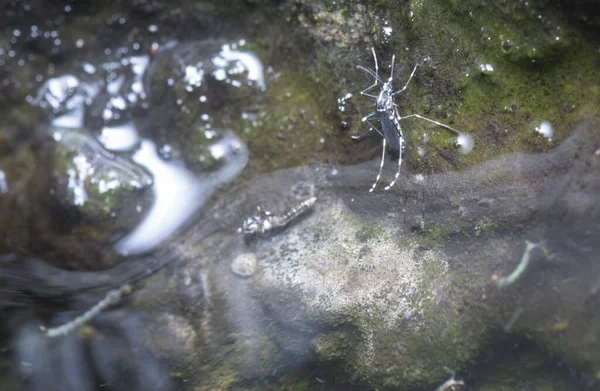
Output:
x,y
313,49
494,72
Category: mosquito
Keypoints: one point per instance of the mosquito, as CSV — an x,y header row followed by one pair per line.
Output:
x,y
388,116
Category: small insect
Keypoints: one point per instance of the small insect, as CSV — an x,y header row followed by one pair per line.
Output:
x,y
264,222
388,116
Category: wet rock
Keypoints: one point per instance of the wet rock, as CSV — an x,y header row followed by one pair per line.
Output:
x,y
353,283
197,87
80,197
96,180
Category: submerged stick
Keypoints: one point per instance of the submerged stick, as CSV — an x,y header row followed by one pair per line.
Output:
x,y
112,297
512,277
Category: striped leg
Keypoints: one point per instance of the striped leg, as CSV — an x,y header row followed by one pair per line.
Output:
x,y
399,163
380,167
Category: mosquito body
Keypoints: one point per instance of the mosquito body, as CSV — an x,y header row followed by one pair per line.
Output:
x,y
388,116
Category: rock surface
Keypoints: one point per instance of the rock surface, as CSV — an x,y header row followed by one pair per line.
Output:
x,y
358,290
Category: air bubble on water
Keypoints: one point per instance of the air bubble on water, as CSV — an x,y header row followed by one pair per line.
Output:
x,y
217,151
220,74
88,68
119,137
242,61
342,102
465,142
194,76
486,68
545,129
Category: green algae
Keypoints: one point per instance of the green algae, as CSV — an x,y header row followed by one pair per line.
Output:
x,y
493,72
293,127
536,77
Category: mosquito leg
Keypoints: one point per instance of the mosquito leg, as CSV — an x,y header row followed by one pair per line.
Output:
x,y
373,126
366,117
363,135
432,121
375,75
369,95
380,167
409,79
364,92
399,163
376,65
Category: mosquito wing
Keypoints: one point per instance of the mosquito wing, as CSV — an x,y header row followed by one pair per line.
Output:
x,y
390,129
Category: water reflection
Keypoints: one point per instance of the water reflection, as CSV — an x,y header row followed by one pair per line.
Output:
x,y
545,129
108,102
465,142
177,192
117,138
238,62
3,184
108,354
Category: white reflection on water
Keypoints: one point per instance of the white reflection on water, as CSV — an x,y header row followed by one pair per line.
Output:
x,y
248,61
119,137
3,184
465,142
178,194
545,129
77,177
